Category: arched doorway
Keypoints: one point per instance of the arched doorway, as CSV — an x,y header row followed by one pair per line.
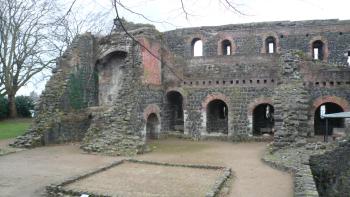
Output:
x,y
263,121
320,124
217,117
152,126
175,111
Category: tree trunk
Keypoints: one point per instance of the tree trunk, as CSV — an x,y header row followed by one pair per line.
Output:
x,y
12,106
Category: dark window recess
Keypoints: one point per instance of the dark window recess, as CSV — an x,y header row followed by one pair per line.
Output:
x,y
217,117
270,45
226,47
318,50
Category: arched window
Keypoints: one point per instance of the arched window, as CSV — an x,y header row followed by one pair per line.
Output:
x,y
263,121
197,47
317,50
217,117
174,111
333,123
152,126
270,45
226,47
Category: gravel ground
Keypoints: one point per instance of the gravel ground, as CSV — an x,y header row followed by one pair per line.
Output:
x,y
26,173
252,178
138,180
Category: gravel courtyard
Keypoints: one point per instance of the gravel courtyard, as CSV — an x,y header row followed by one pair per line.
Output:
x,y
27,173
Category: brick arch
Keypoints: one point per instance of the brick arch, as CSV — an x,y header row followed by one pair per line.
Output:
x,y
215,96
343,103
257,102
190,43
152,108
267,35
230,39
179,90
325,48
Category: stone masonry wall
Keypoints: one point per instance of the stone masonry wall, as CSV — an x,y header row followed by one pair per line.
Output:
x,y
118,129
331,171
249,39
239,100
56,104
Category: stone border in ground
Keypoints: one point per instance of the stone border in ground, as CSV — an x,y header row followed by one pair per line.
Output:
x,y
57,190
304,184
8,151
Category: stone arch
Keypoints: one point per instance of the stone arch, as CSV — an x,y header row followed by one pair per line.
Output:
x,y
197,42
343,105
330,99
268,41
216,114
224,42
325,51
174,110
214,96
181,91
252,106
110,75
152,127
152,120
151,108
265,37
191,41
106,55
217,117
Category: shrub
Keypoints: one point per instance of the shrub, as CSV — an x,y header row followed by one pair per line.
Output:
x,y
3,107
24,104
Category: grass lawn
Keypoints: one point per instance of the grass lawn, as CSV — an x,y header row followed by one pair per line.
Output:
x,y
13,128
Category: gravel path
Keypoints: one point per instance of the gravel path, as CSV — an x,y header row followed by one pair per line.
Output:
x,y
26,173
253,178
141,180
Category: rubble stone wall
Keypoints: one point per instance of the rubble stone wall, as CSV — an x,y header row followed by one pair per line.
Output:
x,y
331,171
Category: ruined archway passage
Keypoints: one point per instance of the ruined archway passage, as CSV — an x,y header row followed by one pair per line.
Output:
x,y
175,111
263,121
333,123
217,117
152,126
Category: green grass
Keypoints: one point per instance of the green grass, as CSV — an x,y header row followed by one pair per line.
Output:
x,y
13,128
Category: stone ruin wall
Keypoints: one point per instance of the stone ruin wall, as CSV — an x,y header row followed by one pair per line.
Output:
x,y
126,83
55,121
250,76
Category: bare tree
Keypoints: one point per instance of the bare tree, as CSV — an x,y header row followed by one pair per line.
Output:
x,y
33,33
24,46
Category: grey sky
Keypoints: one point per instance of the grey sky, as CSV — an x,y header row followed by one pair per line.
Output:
x,y
212,12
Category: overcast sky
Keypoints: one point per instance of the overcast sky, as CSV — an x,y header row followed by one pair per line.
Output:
x,y
211,12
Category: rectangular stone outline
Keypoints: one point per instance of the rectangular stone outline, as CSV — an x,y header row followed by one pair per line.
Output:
x,y
57,189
